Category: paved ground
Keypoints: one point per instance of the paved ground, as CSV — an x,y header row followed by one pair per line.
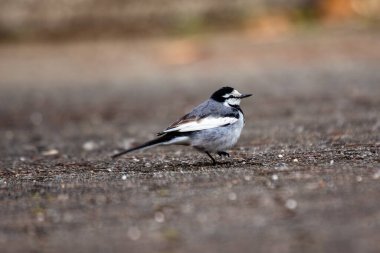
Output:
x,y
305,175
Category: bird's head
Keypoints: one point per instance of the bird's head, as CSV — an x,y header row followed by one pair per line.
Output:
x,y
229,96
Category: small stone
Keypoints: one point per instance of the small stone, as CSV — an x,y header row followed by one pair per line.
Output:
x,y
300,129
232,196
295,160
124,177
50,152
331,162
376,175
274,177
291,204
247,178
134,233
127,143
89,145
159,217
359,179
40,217
280,156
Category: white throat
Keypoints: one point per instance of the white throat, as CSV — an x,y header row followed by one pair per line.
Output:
x,y
232,98
231,102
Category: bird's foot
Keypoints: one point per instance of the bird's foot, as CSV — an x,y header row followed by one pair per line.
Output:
x,y
212,158
222,153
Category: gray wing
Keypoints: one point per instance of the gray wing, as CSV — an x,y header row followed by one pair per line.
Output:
x,y
208,108
209,114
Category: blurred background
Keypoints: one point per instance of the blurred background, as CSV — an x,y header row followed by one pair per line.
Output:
x,y
89,19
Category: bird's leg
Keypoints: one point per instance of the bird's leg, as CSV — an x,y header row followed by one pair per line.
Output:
x,y
222,153
212,158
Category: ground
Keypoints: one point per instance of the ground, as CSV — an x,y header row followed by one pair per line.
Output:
x,y
305,175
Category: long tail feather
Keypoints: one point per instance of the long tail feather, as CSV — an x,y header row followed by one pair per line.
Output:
x,y
165,139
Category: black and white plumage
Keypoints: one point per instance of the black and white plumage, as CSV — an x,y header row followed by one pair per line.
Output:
x,y
212,127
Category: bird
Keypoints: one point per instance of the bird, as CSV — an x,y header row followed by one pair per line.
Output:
x,y
214,126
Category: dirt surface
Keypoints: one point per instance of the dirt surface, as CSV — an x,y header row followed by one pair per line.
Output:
x,y
305,175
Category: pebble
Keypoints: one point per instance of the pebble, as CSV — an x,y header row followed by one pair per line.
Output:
x,y
331,162
291,204
127,143
376,175
124,177
281,156
134,233
40,217
274,177
159,217
295,160
89,145
247,178
50,152
232,196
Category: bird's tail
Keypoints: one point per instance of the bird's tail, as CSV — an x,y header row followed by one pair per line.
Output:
x,y
162,140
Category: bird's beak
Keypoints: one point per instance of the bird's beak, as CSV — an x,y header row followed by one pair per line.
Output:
x,y
245,95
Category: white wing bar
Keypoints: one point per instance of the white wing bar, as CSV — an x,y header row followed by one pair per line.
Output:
x,y
202,124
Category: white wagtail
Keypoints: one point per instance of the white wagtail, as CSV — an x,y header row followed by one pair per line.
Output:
x,y
212,127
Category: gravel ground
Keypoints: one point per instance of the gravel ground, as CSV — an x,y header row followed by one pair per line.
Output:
x,y
305,175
